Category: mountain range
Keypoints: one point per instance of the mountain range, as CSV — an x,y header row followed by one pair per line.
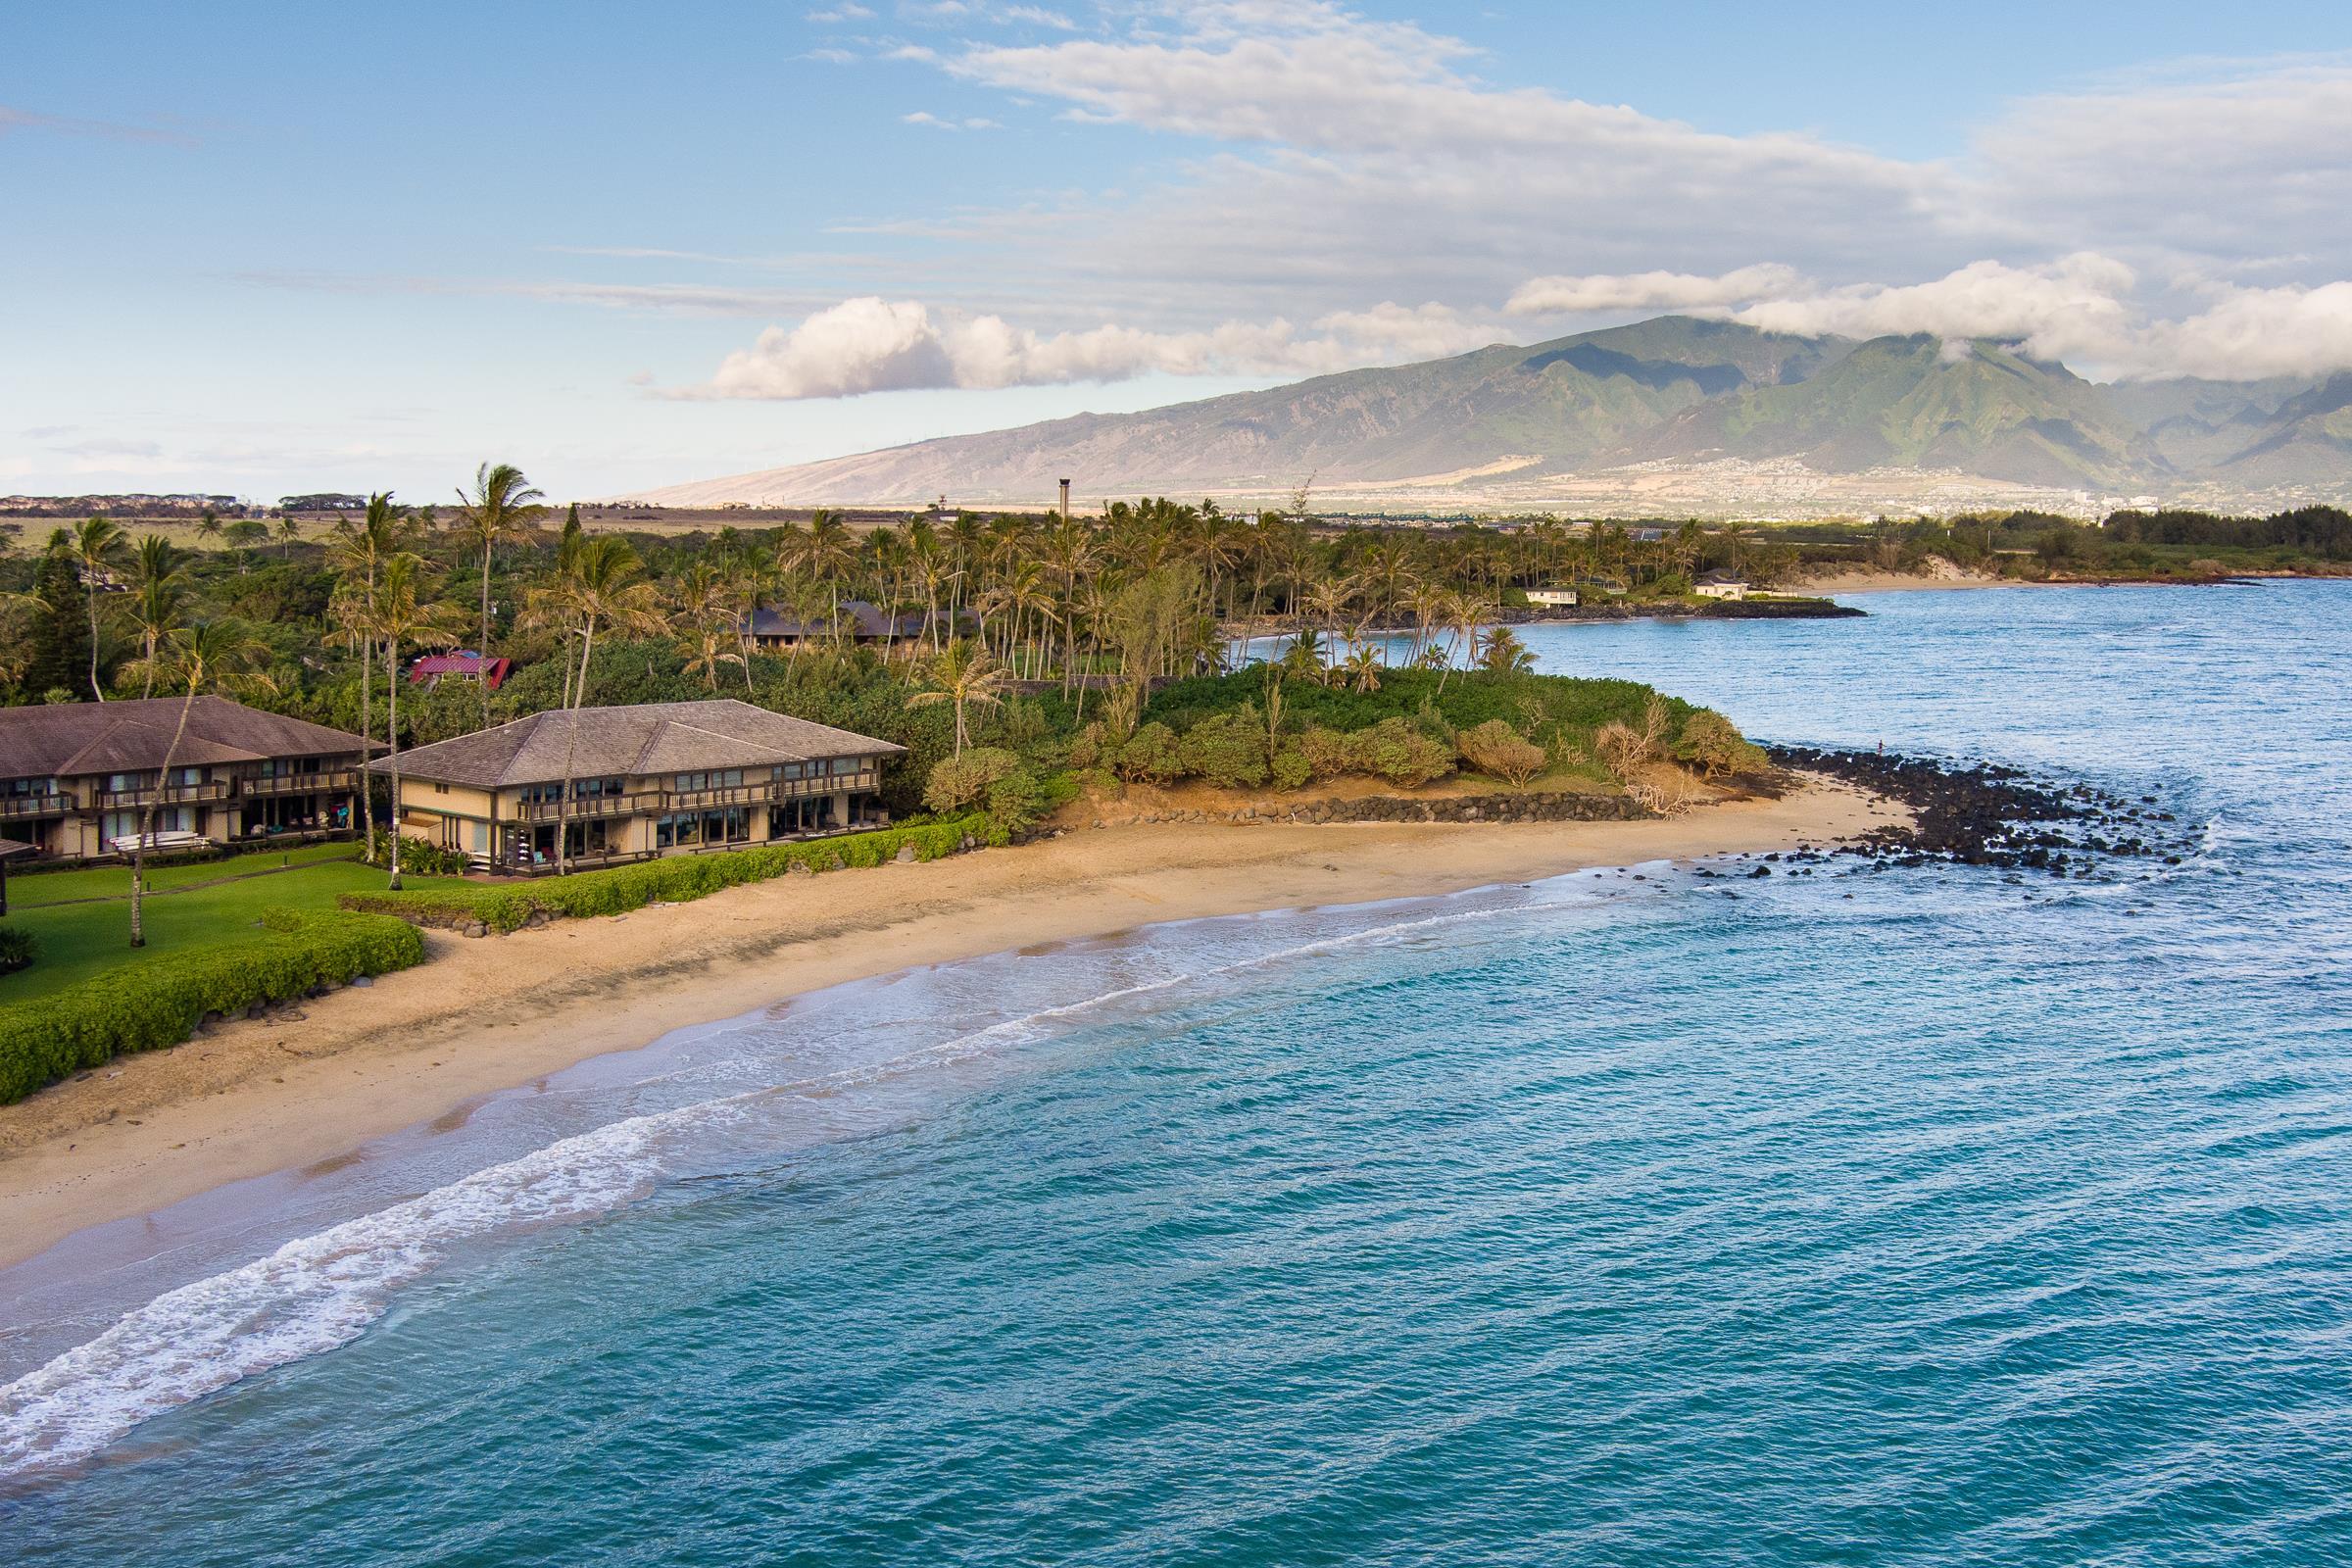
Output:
x,y
1667,412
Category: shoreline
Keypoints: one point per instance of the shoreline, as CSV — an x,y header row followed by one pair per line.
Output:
x,y
482,1016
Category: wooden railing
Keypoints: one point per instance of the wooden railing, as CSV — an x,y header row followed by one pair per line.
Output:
x,y
330,779
216,789
714,798
24,805
587,806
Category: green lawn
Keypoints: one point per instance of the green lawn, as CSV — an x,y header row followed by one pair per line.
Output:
x,y
79,941
113,881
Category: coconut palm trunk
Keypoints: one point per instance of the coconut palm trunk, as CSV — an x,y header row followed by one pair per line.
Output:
x,y
139,846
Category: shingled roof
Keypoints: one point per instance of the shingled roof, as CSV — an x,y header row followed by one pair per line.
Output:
x,y
54,740
647,738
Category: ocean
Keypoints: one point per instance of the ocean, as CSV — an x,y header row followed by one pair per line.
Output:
x,y
1920,1215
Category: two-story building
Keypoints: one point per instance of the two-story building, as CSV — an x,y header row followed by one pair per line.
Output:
x,y
652,779
76,777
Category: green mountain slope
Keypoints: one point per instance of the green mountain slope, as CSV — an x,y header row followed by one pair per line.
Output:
x,y
1673,392
1907,402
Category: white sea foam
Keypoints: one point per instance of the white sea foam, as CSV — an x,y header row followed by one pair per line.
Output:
x,y
322,1291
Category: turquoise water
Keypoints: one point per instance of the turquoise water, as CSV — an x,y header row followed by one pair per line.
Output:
x,y
1917,1216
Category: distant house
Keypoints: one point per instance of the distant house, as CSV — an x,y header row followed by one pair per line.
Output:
x,y
646,780
860,618
1720,585
77,779
1552,598
464,663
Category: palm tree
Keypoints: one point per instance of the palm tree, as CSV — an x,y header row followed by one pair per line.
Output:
x,y
962,674
204,656
96,546
1501,653
502,506
827,551
404,613
1362,666
361,549
208,526
605,583
709,608
156,601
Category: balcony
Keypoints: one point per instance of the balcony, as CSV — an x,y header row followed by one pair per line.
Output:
x,y
216,789
715,798
19,807
589,807
333,780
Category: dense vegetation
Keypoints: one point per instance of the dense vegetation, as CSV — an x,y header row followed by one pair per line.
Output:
x,y
2039,547
1038,643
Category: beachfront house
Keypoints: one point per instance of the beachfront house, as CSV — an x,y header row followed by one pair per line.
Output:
x,y
862,619
646,780
75,777
1552,598
1720,585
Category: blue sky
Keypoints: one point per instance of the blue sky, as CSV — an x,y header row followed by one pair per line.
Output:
x,y
268,247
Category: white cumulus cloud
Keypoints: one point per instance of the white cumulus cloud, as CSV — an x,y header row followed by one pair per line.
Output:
x,y
1565,295
877,345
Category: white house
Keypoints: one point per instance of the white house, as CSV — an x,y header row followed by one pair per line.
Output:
x,y
1552,598
1720,585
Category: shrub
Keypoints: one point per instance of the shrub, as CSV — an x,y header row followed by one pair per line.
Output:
x,y
1396,752
82,1025
17,949
1015,802
1151,755
1290,766
416,855
1326,753
1713,745
1226,749
961,782
1496,747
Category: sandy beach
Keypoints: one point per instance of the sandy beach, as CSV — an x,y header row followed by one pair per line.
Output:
x,y
487,1014
1860,580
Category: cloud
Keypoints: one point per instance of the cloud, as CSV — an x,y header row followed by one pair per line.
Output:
x,y
924,116
2076,308
877,345
2080,309
839,14
16,119
2247,334
1646,291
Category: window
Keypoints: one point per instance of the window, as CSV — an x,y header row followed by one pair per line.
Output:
x,y
29,785
790,771
846,765
481,838
440,789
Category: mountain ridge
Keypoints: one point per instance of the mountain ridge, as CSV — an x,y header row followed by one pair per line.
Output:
x,y
1637,409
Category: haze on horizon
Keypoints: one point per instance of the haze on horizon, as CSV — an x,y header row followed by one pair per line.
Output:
x,y
267,250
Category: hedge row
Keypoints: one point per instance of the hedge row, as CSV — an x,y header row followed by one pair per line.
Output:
x,y
507,907
160,1000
